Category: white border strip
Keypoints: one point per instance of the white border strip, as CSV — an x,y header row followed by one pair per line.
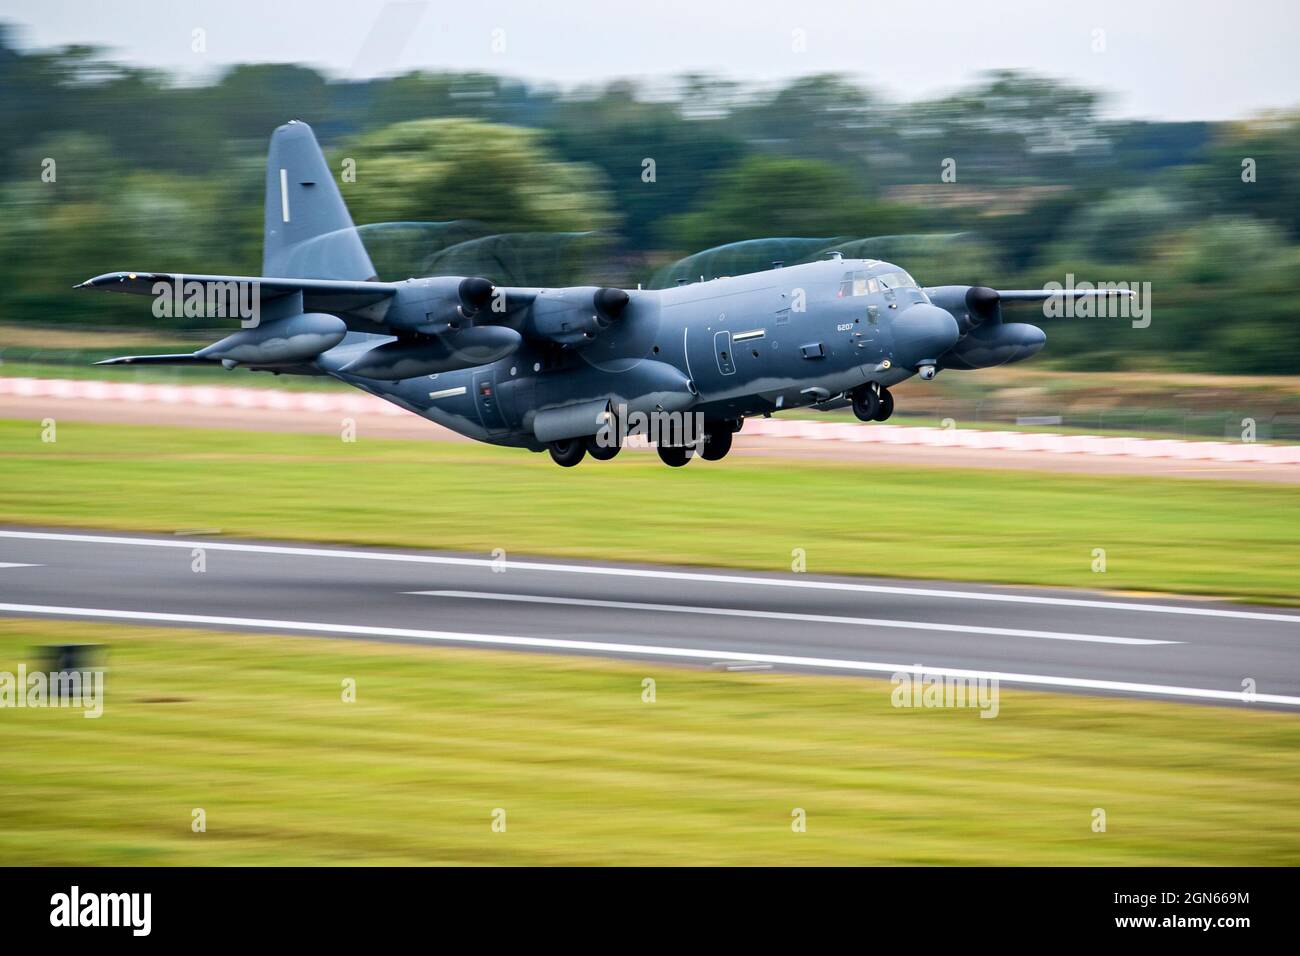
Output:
x,y
653,574
650,650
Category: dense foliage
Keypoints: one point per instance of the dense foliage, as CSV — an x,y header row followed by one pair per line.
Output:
x,y
150,174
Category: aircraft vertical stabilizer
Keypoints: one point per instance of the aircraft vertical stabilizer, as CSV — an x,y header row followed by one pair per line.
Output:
x,y
308,231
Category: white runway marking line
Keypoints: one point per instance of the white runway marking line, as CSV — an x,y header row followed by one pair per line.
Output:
x,y
792,616
650,650
15,564
656,574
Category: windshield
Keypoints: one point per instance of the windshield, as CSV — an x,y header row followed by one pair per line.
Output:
x,y
858,283
896,280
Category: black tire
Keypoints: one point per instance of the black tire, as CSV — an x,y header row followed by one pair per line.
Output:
x,y
866,404
675,456
569,452
717,442
886,405
602,452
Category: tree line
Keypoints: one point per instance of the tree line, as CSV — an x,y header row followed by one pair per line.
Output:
x,y
1014,181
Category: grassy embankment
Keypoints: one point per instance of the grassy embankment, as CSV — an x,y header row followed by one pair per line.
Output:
x,y
253,730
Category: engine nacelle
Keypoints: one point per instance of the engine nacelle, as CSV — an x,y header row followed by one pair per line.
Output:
x,y
970,305
574,316
288,341
466,348
439,305
993,345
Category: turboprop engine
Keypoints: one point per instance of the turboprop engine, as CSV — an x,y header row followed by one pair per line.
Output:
x,y
993,345
573,316
437,331
986,341
428,355
286,341
438,305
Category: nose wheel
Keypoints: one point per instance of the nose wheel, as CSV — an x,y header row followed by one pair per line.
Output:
x,y
873,403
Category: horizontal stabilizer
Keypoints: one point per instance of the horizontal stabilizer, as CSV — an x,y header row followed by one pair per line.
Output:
x,y
184,358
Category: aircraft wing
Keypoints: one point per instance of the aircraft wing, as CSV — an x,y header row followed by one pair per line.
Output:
x,y
1042,295
362,304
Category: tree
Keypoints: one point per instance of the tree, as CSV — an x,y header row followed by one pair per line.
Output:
x,y
772,196
446,169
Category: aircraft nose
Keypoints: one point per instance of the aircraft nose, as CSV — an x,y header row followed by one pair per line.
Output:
x,y
922,333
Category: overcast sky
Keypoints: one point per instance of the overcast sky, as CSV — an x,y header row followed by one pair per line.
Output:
x,y
1171,59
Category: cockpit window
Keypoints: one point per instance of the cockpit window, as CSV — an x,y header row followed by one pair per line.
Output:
x,y
897,280
857,283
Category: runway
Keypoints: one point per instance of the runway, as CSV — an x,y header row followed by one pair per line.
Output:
x,y
1079,641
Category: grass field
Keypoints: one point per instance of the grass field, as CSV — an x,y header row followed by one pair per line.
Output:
x,y
253,730
1226,538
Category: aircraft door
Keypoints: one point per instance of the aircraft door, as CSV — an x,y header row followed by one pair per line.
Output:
x,y
485,398
722,351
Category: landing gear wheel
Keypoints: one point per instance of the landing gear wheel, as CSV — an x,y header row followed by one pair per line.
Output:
x,y
717,442
674,456
569,452
886,405
866,404
602,452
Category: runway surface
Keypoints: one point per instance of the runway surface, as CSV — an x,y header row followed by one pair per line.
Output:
x,y
1051,639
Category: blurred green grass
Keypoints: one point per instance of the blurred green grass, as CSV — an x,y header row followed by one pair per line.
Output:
x,y
252,729
1235,539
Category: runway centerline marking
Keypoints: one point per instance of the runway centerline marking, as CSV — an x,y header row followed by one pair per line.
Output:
x,y
655,574
793,616
651,650
17,564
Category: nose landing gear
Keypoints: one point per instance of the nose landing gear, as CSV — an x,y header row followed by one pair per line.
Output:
x,y
872,403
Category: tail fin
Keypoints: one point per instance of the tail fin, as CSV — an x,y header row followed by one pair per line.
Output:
x,y
308,234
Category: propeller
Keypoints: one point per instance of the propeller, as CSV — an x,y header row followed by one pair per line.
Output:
x,y
405,250
916,251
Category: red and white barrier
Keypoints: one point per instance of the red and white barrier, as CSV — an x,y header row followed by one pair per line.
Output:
x,y
359,403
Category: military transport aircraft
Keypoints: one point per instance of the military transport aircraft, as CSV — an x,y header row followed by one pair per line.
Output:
x,y
553,368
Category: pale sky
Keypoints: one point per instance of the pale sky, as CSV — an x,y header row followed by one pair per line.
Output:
x,y
1167,59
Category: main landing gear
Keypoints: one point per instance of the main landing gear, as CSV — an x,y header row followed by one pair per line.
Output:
x,y
872,403
568,452
715,444
602,451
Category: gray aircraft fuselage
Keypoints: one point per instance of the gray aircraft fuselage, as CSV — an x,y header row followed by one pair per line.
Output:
x,y
746,345
543,368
